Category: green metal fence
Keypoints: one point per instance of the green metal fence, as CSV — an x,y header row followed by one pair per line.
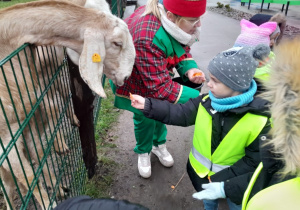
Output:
x,y
117,7
36,124
41,160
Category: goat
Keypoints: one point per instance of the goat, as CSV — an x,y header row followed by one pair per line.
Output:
x,y
100,5
86,31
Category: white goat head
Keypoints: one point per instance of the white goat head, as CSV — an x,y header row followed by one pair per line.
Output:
x,y
109,53
86,31
117,44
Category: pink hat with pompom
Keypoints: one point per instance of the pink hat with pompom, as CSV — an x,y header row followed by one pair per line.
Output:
x,y
252,35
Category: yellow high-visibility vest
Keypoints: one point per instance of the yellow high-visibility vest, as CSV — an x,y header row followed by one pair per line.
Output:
x,y
284,195
263,73
231,148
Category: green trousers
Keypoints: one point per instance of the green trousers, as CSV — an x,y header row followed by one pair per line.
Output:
x,y
148,132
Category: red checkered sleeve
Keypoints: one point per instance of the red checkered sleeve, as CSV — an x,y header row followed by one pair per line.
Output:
x,y
151,64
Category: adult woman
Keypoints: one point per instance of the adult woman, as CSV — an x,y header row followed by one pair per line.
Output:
x,y
162,36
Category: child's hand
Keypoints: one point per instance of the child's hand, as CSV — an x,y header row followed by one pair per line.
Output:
x,y
196,76
137,101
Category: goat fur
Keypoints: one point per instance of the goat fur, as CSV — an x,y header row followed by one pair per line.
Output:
x,y
86,31
99,5
83,30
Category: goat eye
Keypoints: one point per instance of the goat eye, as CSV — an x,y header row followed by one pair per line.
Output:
x,y
118,44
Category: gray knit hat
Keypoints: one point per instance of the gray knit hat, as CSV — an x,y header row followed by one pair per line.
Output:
x,y
236,67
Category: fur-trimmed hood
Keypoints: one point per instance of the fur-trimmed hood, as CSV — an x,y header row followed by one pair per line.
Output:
x,y
283,91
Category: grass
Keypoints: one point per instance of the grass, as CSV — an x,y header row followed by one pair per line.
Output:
x,y
4,4
99,186
107,116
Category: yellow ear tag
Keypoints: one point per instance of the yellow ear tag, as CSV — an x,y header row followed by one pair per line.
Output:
x,y
96,58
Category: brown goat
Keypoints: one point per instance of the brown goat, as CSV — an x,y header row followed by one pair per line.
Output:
x,y
83,30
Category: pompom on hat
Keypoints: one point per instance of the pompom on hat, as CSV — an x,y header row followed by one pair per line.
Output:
x,y
236,67
186,8
252,35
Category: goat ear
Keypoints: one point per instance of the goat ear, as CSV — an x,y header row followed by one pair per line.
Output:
x,y
91,70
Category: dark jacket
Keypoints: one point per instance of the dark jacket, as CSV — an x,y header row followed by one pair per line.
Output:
x,y
282,91
85,202
185,115
269,175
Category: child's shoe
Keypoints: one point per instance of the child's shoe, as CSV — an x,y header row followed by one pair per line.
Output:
x,y
144,165
163,155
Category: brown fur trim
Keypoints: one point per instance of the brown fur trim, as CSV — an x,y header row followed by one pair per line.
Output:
x,y
283,91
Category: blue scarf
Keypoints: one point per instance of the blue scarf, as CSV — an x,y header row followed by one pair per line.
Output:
x,y
224,104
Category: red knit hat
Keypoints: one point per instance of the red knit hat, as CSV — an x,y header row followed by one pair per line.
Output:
x,y
186,8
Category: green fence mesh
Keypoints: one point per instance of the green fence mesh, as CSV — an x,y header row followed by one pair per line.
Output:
x,y
41,160
117,7
40,151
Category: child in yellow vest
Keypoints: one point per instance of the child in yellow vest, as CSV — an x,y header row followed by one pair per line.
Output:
x,y
279,18
276,182
228,121
252,35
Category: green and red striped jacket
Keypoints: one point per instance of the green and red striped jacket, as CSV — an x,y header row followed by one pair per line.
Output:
x,y
157,53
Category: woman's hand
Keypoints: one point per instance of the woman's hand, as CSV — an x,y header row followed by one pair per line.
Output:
x,y
196,76
137,101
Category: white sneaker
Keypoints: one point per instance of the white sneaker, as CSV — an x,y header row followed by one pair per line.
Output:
x,y
144,165
163,155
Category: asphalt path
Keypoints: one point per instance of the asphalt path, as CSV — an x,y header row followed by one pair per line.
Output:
x,y
217,34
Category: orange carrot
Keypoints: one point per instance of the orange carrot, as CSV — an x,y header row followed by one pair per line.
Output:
x,y
197,74
131,97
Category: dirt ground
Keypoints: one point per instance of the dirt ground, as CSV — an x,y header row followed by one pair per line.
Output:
x,y
156,192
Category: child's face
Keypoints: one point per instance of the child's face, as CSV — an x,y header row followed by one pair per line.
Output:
x,y
218,89
263,62
273,39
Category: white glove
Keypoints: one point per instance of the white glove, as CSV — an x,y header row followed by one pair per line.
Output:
x,y
212,191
